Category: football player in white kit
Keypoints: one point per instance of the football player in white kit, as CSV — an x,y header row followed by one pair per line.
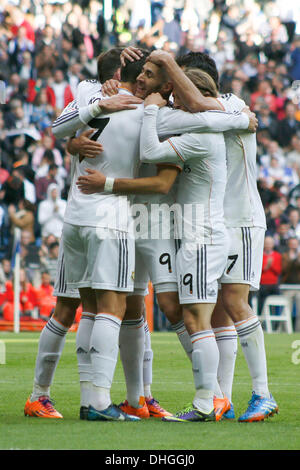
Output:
x,y
245,222
52,338
196,287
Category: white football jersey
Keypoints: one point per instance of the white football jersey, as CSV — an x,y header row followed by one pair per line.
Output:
x,y
242,203
202,183
119,134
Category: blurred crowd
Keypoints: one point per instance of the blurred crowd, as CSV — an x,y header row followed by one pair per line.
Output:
x,y
48,47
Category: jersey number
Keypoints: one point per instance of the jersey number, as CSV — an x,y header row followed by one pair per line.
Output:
x,y
188,281
99,124
165,258
233,258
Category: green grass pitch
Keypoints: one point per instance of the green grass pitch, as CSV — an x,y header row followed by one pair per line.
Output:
x,y
172,386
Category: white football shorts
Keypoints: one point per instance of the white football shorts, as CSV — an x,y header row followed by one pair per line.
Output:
x,y
61,288
199,267
98,258
155,261
245,256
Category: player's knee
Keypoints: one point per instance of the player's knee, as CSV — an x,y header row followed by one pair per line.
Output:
x,y
236,305
65,310
170,307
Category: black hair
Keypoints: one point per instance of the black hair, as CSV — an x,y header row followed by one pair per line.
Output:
x,y
48,153
132,70
200,60
108,63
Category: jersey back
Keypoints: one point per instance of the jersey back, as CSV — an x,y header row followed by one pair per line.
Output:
x,y
242,203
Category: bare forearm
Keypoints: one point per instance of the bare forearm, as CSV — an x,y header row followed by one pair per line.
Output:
x,y
152,185
188,93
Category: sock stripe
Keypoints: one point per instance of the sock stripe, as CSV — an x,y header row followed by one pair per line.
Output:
x,y
55,329
249,329
240,323
224,330
110,318
134,323
223,338
88,316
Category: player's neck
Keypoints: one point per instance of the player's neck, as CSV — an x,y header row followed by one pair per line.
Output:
x,y
126,86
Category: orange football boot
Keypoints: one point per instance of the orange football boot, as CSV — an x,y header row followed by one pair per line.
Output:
x,y
221,405
155,410
41,408
141,412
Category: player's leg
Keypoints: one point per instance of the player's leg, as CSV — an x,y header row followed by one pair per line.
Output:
x,y
110,267
245,272
198,269
251,338
83,338
132,345
160,257
168,303
226,338
51,344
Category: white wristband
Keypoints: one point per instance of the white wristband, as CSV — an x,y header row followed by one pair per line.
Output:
x,y
94,109
109,185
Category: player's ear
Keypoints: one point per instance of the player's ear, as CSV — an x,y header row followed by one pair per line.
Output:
x,y
167,89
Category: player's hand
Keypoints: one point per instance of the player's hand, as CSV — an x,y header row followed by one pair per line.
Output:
x,y
159,57
253,122
91,183
110,87
130,53
84,146
119,103
155,98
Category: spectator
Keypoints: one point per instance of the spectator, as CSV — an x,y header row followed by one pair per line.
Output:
x,y
264,91
293,155
271,270
45,299
46,144
43,183
6,269
24,218
51,212
281,236
295,59
13,189
291,275
294,221
28,299
51,260
288,126
59,91
266,119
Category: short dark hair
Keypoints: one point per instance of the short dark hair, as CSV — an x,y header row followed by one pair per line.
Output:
x,y
131,70
108,63
200,60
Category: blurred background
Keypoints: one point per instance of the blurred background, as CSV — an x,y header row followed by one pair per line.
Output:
x,y
48,47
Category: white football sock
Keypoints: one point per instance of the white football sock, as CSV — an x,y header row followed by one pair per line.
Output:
x,y
251,339
51,344
183,337
83,338
226,338
148,361
104,349
205,360
132,343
